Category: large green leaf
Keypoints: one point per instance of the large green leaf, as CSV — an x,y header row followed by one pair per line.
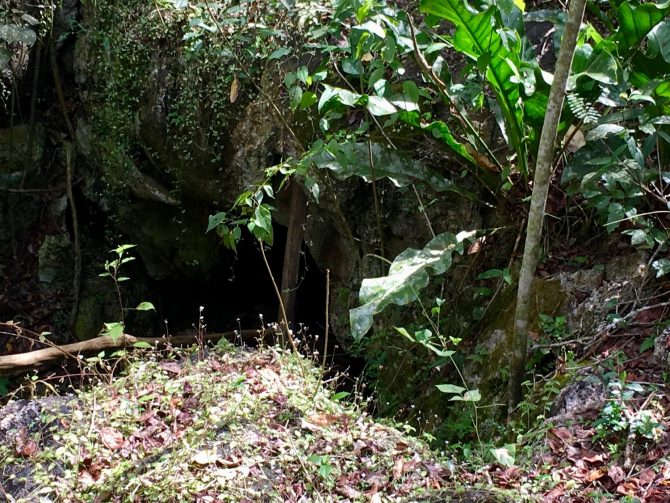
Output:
x,y
659,39
408,274
353,159
636,21
477,37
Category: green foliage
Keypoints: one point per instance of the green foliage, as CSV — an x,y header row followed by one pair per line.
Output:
x,y
208,61
357,102
620,96
619,417
251,211
325,467
408,274
112,268
505,455
497,50
554,327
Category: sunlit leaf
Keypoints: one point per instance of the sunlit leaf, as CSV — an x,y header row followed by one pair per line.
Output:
x,y
145,306
408,275
477,38
450,388
353,159
469,396
505,455
380,106
636,21
113,330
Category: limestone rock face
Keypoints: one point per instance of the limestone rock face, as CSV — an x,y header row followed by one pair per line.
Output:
x,y
166,146
582,396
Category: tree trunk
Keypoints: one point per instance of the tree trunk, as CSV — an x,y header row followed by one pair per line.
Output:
x,y
545,158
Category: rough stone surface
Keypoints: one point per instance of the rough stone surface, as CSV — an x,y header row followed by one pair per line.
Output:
x,y
585,394
584,297
30,419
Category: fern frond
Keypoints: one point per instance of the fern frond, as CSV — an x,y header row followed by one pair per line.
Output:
x,y
582,110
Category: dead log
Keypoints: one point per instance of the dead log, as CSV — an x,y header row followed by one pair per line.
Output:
x,y
24,362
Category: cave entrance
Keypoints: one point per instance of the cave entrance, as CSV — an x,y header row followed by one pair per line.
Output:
x,y
236,293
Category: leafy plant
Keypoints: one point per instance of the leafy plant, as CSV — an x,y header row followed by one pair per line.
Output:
x,y
250,210
113,270
553,326
491,38
619,419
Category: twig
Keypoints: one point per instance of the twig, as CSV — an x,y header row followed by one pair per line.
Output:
x,y
287,328
423,211
320,383
375,198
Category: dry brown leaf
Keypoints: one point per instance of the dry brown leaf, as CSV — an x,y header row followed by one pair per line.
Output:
x,y
481,159
205,457
170,367
234,89
477,245
398,466
323,419
577,139
593,457
595,474
627,488
347,491
647,476
111,438
616,473
562,433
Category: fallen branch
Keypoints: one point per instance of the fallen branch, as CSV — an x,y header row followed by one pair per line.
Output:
x,y
24,362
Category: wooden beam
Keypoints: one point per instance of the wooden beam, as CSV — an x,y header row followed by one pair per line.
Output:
x,y
294,238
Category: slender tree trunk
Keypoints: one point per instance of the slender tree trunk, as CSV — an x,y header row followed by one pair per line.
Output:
x,y
545,157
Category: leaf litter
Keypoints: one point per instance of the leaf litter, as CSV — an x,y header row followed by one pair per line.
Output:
x,y
239,426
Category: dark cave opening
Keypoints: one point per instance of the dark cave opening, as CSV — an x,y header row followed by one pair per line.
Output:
x,y
235,294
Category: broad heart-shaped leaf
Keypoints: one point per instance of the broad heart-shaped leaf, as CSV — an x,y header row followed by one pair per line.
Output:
x,y
114,330
261,224
478,38
659,36
408,274
636,21
216,220
380,106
